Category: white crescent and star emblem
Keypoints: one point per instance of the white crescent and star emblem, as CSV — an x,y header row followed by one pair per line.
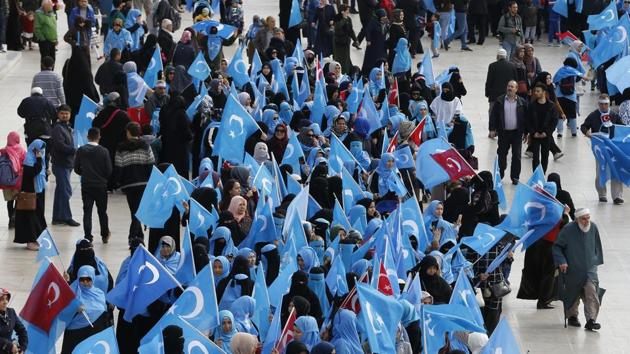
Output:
x,y
240,64
154,272
454,164
627,137
55,288
536,205
101,343
151,64
195,344
608,15
492,238
199,303
47,241
374,318
413,226
431,330
263,220
464,295
239,120
266,184
404,158
176,182
90,115
289,152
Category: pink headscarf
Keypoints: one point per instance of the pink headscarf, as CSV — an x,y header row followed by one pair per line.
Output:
x,y
186,35
15,151
233,208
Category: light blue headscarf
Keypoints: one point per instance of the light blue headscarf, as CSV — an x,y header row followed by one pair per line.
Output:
x,y
318,246
317,284
310,330
310,258
225,337
206,167
268,118
222,232
172,262
136,36
243,309
345,336
30,159
445,266
386,176
356,149
375,85
359,267
409,313
286,112
232,292
448,231
402,59
92,299
136,86
226,268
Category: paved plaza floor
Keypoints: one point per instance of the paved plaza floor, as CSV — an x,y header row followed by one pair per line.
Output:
x,y
538,331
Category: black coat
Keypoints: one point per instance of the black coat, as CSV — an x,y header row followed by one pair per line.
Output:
x,y
10,322
499,74
497,115
545,124
110,77
375,34
38,114
176,135
478,7
165,40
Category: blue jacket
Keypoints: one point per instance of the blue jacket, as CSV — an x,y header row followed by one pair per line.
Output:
x,y
120,40
74,13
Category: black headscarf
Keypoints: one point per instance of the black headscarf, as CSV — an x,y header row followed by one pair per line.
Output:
x,y
273,265
455,204
450,95
83,255
227,219
173,339
299,287
205,196
563,196
200,255
239,266
434,284
296,347
319,191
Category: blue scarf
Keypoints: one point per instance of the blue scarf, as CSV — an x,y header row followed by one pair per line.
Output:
x,y
448,231
137,89
243,309
226,268
30,159
225,337
345,335
386,177
137,35
310,330
402,59
92,299
375,85
309,256
317,284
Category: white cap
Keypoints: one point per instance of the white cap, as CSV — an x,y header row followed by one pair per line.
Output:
x,y
581,212
37,90
502,53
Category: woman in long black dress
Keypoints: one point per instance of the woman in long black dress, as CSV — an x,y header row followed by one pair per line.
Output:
x,y
325,29
77,72
30,223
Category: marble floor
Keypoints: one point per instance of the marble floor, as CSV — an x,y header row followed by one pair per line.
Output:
x,y
536,331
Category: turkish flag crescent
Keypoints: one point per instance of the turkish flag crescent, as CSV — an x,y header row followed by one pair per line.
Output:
x,y
48,298
287,332
384,285
351,302
416,134
453,163
393,93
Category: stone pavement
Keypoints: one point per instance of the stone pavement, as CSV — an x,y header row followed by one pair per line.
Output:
x,y
536,331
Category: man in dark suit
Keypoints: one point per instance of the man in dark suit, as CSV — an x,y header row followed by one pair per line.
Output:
x,y
499,74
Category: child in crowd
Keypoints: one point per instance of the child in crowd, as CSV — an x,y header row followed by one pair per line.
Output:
x,y
28,24
204,15
435,30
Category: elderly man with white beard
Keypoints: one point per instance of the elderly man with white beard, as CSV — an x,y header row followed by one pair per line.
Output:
x,y
577,253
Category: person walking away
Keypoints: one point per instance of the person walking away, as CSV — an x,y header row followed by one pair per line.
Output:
x,y
11,323
511,28
341,39
566,79
461,24
553,26
94,165
444,8
499,74
29,221
375,35
601,120
530,16
38,114
577,253
507,121
542,118
11,166
478,21
62,151
46,29
133,164
50,82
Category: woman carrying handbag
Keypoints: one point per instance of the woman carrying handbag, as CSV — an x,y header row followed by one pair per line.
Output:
x,y
11,161
29,213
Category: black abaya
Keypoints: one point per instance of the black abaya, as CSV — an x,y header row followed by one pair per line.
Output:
x,y
78,80
30,224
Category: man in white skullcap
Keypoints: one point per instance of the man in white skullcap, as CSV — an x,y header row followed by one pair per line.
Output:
x,y
577,253
499,74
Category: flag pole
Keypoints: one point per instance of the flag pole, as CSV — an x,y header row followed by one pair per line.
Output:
x,y
87,318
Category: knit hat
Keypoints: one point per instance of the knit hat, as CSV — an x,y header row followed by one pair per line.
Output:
x,y
502,53
404,129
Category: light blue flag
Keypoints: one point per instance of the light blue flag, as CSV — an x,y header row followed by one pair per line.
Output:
x,y
261,295
618,74
484,238
47,246
215,7
236,126
296,232
101,342
430,6
369,112
188,185
295,18
451,25
498,186
194,340
532,214
298,52
402,59
300,91
275,329
198,303
380,315
199,69
154,209
437,34
256,65
83,121
537,178
413,223
151,75
175,192
438,319
279,83
293,186
249,161
622,138
336,278
404,158
293,153
579,6
354,98
224,31
319,103
443,77
427,170
299,205
612,161
282,283
386,139
145,282
263,180
192,109
426,68
413,292
186,268
606,18
612,42
464,294
262,229
200,219
238,68
561,7
351,190
312,206
502,340
339,216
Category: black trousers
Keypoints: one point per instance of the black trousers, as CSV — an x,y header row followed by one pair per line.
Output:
x,y
134,195
91,196
540,150
479,23
47,49
510,139
494,15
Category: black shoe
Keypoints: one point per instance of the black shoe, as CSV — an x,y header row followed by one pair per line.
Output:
x,y
479,43
11,222
106,237
603,200
618,201
591,325
356,45
71,223
514,181
559,135
58,222
543,306
574,135
574,322
467,49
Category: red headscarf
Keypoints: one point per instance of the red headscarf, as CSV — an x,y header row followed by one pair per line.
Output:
x,y
14,151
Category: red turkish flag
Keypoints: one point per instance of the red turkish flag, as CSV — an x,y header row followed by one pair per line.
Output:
x,y
416,134
287,332
453,163
392,98
392,143
351,302
49,297
384,285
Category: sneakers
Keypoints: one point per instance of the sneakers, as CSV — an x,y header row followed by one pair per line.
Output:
x,y
591,325
573,322
618,201
528,154
557,156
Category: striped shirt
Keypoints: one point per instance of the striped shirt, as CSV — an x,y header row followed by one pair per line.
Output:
x,y
52,86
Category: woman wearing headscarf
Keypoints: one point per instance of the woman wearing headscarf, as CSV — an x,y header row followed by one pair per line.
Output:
x,y
376,36
370,208
488,213
270,258
29,224
176,135
226,219
441,230
457,205
323,348
385,183
376,82
220,268
184,53
445,105
200,254
432,282
259,136
325,27
142,57
15,153
84,255
243,310
345,336
11,327
236,284
521,71
171,225
79,35
167,254
306,331
307,259
532,64
92,316
245,100
317,283
244,343
278,142
137,28
261,154
411,322
238,208
136,87
117,37
225,331
457,82
77,74
299,287
341,39
221,243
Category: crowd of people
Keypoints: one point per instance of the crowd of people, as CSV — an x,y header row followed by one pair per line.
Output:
x,y
357,131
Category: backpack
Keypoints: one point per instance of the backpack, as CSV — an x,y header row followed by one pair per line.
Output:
x,y
567,86
8,177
